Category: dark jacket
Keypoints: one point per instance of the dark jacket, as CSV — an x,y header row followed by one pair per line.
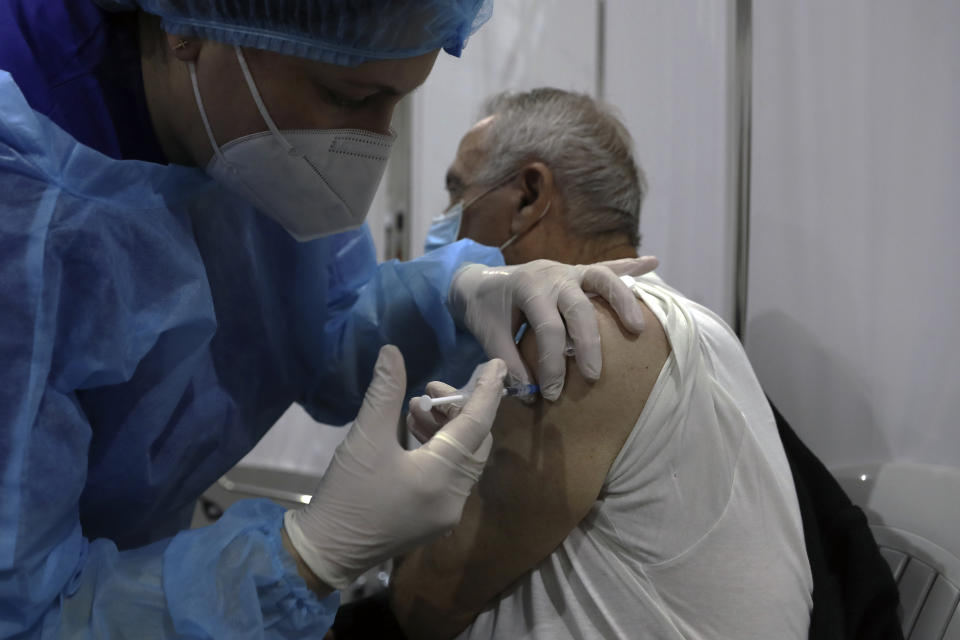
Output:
x,y
854,594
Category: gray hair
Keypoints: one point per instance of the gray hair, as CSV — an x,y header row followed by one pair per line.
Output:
x,y
581,140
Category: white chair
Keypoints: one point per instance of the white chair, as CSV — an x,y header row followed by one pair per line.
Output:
x,y
914,513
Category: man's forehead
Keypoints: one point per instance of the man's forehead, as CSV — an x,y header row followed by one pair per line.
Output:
x,y
472,152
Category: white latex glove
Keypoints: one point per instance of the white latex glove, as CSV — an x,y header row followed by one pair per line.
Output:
x,y
377,500
488,301
423,424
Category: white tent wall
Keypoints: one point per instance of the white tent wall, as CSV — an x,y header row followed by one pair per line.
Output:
x,y
853,299
668,69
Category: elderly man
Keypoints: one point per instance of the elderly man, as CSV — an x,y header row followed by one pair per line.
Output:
x,y
656,502
586,197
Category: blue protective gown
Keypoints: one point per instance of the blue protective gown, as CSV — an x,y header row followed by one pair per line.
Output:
x,y
80,67
152,327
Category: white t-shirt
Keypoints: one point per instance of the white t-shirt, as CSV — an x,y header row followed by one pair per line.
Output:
x,y
696,533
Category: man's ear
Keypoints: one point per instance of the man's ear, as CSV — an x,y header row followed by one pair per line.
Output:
x,y
538,190
184,48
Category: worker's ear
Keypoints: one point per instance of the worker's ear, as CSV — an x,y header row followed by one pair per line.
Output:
x,y
184,48
538,190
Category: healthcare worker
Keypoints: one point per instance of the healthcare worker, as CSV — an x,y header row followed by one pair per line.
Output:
x,y
157,319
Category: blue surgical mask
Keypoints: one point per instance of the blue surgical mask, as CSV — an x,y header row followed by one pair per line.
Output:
x,y
444,229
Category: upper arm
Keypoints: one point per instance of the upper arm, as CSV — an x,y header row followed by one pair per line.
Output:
x,y
545,471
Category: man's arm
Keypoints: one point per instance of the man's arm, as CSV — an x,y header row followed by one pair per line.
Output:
x,y
546,469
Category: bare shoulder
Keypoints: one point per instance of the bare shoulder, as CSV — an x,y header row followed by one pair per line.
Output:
x,y
580,434
631,365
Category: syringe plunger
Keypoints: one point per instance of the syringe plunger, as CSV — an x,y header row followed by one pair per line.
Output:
x,y
425,402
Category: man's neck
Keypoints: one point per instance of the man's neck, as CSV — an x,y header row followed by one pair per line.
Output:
x,y
603,249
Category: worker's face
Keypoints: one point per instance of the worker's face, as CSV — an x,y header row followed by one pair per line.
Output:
x,y
300,93
487,212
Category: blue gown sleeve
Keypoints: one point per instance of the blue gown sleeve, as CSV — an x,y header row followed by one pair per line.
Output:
x,y
66,326
84,294
400,303
232,579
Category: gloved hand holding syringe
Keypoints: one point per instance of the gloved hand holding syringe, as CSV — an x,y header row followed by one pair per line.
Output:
x,y
442,401
426,402
428,413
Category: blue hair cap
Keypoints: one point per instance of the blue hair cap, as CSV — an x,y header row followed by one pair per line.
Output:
x,y
342,32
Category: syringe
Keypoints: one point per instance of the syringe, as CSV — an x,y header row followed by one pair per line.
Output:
x,y
569,350
425,402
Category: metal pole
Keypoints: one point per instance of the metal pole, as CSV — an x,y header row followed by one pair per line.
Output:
x,y
743,87
601,71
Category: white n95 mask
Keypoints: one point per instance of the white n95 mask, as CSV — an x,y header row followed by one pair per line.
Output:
x,y
314,182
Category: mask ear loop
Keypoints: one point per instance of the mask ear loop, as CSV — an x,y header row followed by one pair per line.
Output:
x,y
517,236
203,113
264,113
492,188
